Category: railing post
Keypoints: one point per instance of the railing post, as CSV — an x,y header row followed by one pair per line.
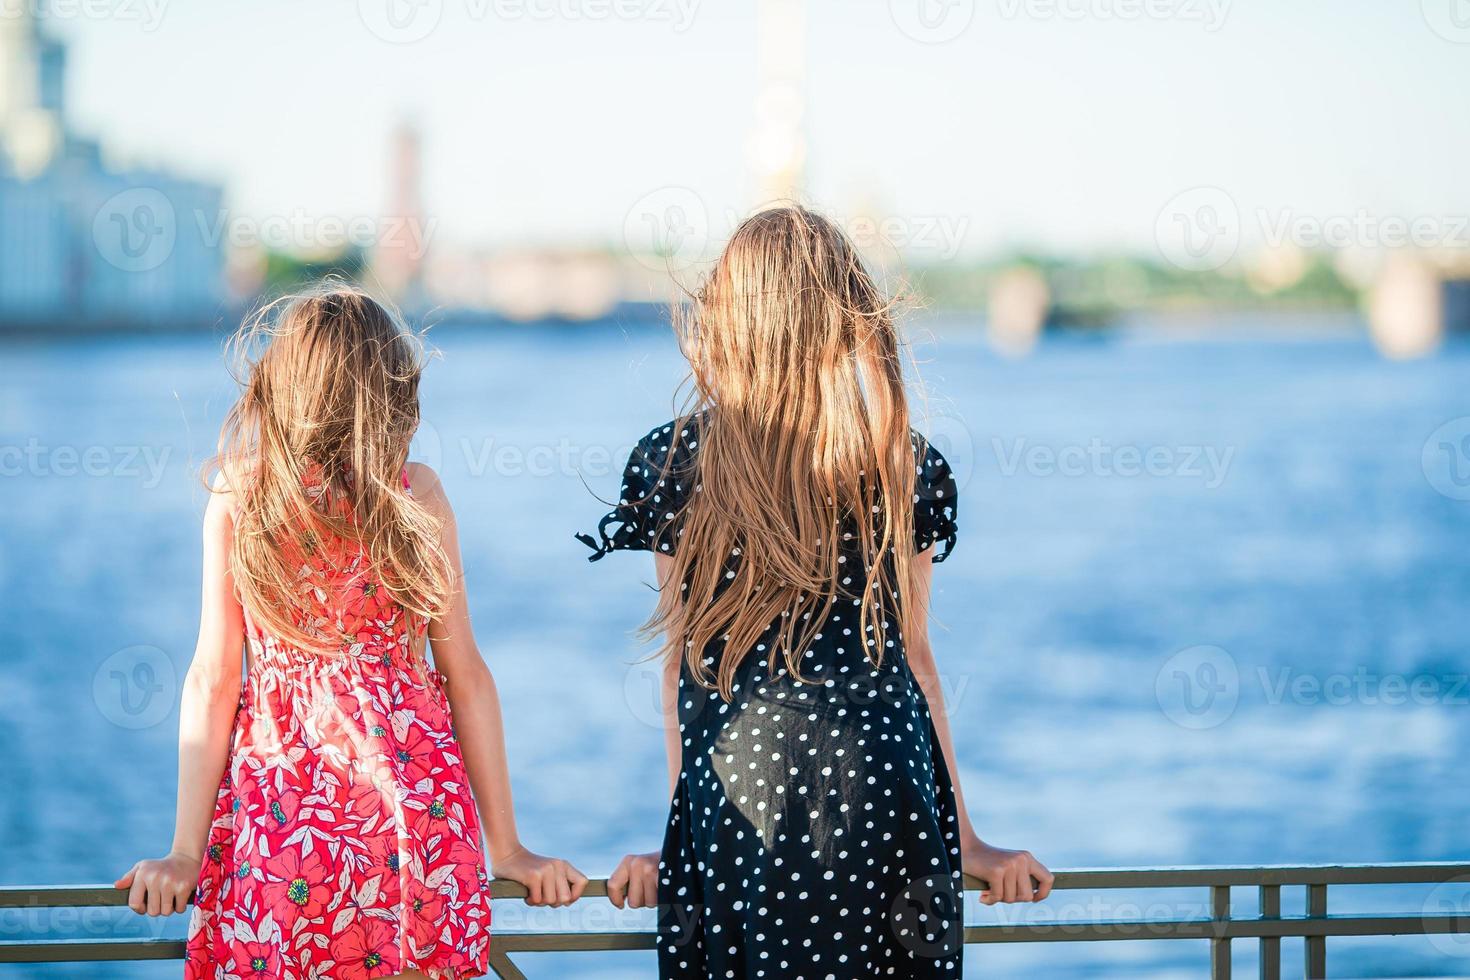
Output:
x,y
1316,946
501,965
1270,945
1220,946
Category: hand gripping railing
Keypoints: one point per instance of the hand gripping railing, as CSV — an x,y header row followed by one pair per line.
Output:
x,y
1444,912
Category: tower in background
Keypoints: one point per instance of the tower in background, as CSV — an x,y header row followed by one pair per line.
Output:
x,y
398,256
776,152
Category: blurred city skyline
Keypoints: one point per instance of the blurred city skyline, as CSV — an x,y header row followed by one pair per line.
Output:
x,y
1063,126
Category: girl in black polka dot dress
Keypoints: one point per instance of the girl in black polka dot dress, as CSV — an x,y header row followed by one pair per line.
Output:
x,y
816,829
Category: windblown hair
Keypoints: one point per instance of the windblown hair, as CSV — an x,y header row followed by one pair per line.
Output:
x,y
805,456
315,449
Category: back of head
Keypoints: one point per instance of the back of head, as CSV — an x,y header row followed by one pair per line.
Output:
x,y
315,449
806,437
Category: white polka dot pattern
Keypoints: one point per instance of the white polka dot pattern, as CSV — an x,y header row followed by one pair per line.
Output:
x,y
813,833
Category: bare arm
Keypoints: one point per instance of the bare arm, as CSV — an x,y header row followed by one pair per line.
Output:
x,y
475,704
1008,873
211,695
635,880
673,744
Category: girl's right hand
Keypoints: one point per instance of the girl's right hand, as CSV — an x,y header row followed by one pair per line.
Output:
x,y
634,884
549,881
1013,876
162,886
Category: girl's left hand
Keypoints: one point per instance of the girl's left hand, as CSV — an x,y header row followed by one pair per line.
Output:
x,y
1013,876
550,881
162,886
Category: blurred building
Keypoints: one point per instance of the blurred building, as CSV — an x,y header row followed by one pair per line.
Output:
x,y
83,245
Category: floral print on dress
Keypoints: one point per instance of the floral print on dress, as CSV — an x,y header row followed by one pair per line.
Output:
x,y
345,843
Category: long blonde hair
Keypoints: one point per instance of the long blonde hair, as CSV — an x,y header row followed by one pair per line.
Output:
x,y
315,449
804,438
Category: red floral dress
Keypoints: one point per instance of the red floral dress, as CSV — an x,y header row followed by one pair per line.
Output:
x,y
345,844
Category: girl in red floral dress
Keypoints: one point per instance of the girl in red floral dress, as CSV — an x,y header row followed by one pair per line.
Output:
x,y
326,823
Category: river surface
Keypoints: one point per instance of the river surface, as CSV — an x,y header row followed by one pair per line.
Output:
x,y
1209,606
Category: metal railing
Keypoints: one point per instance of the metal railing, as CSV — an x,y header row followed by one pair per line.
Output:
x,y
1220,927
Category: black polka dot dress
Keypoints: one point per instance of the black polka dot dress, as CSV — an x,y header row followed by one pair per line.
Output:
x,y
813,832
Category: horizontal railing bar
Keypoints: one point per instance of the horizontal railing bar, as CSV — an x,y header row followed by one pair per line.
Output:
x,y
90,950
1284,928
72,950
103,896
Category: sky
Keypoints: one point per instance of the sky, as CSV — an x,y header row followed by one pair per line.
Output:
x,y
986,125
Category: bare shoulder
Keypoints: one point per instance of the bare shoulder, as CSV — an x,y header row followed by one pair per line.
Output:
x,y
220,511
426,487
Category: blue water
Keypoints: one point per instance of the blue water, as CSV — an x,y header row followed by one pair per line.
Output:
x,y
1203,662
